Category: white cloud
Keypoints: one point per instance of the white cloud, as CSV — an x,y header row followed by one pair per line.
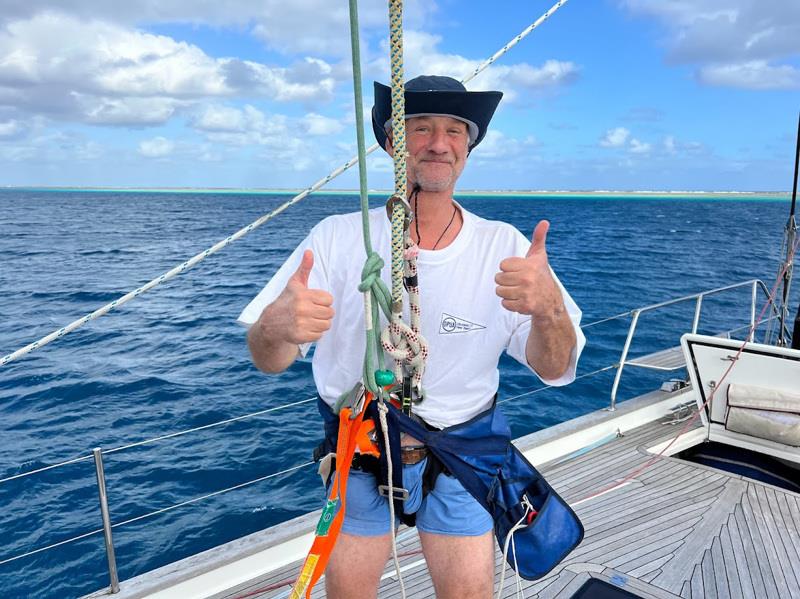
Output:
x,y
317,124
498,150
221,118
158,147
102,73
422,56
276,137
297,27
11,128
639,147
615,138
126,111
756,74
735,43
669,144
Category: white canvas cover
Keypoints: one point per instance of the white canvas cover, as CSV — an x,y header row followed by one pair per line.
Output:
x,y
772,414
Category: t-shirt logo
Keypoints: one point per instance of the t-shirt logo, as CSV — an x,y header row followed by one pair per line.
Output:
x,y
453,324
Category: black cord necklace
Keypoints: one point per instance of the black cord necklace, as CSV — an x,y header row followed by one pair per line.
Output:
x,y
416,219
452,218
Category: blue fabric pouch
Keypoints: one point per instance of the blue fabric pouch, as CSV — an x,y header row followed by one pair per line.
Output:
x,y
479,453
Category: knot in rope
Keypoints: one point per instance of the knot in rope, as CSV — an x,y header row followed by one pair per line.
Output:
x,y
371,280
404,342
406,346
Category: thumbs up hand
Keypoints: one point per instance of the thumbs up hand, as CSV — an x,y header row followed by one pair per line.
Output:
x,y
526,284
299,314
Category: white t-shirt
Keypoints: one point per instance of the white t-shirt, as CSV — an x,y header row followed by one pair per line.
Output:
x,y
463,320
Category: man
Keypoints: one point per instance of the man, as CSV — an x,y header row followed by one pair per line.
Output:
x,y
484,289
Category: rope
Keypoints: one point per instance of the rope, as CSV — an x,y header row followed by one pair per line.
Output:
x,y
402,342
238,419
376,295
510,539
546,387
180,269
382,409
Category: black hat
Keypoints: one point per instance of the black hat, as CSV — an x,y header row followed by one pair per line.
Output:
x,y
433,95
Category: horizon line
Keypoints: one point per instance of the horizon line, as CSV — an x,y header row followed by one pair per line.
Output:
x,y
349,191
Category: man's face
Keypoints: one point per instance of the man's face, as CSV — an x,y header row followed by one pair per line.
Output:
x,y
437,151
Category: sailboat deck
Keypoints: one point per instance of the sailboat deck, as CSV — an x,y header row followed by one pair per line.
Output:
x,y
676,529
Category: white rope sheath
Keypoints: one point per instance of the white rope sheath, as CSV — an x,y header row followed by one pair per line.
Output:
x,y
382,409
255,224
404,342
510,539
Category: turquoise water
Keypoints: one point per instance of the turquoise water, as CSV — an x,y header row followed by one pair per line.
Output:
x,y
174,359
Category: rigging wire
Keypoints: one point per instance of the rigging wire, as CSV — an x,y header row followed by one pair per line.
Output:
x,y
183,267
157,512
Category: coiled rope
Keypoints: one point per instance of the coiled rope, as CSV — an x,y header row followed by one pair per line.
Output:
x,y
320,183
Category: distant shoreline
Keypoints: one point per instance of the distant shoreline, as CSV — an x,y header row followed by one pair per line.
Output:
x,y
771,195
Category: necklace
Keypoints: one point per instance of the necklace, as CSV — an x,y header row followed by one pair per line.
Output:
x,y
416,221
452,218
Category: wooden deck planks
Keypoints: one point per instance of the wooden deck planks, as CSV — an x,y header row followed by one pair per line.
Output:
x,y
739,562
778,537
718,568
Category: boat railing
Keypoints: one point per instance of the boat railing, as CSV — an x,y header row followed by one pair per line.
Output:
x,y
98,453
671,358
108,526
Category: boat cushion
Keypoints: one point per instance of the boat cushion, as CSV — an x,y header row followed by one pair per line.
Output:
x,y
772,414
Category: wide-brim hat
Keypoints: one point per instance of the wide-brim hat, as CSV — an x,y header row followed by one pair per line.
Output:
x,y
433,95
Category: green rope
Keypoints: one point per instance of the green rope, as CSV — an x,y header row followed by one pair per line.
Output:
x,y
376,295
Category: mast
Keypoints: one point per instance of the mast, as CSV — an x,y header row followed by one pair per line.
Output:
x,y
791,234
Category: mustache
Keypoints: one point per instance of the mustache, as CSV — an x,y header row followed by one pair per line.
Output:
x,y
440,159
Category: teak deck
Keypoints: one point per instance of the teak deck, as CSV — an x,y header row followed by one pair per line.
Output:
x,y
676,529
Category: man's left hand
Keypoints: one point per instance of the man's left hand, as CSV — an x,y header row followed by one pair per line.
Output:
x,y
526,284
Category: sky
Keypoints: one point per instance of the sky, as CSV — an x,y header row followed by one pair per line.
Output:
x,y
604,95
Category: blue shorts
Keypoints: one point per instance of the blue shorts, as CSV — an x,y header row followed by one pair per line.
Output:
x,y
447,510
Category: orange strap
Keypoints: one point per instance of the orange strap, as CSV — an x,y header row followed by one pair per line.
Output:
x,y
329,524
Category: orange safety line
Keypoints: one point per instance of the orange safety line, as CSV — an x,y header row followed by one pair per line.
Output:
x,y
329,524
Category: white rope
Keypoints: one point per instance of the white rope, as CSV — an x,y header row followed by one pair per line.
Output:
x,y
382,409
509,539
255,224
525,32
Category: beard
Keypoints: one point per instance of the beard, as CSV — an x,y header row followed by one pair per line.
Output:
x,y
434,177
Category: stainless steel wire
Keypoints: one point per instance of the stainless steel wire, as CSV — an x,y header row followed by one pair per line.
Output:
x,y
208,426
155,512
540,389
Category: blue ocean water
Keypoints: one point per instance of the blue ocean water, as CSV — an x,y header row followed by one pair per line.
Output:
x,y
175,359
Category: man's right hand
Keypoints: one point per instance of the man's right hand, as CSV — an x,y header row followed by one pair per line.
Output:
x,y
299,314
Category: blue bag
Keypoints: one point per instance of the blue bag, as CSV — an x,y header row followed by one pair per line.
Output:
x,y
479,453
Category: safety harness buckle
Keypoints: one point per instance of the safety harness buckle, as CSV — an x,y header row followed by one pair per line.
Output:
x,y
354,400
399,493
